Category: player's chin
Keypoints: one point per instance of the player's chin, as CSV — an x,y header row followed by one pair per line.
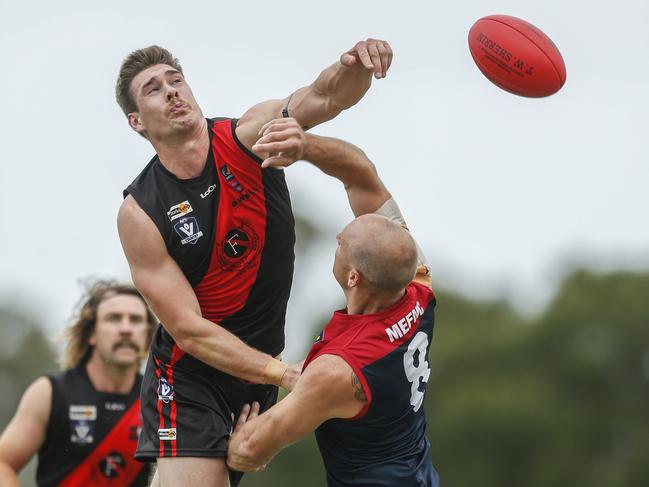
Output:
x,y
125,357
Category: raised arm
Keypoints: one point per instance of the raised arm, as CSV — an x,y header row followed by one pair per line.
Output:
x,y
338,87
327,389
342,160
172,299
337,158
25,433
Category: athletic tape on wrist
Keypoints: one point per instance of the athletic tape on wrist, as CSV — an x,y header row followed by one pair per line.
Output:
x,y
274,371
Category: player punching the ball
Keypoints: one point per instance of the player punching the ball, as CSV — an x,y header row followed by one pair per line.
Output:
x,y
365,378
208,234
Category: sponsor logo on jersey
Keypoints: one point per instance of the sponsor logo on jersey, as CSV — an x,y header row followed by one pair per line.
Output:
x,y
112,465
188,230
403,326
165,391
179,210
83,412
115,406
230,179
167,434
234,183
208,191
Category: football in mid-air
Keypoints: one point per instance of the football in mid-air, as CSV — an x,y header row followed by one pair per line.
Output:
x,y
516,56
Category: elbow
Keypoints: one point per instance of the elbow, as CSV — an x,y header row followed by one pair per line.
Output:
x,y
244,456
185,337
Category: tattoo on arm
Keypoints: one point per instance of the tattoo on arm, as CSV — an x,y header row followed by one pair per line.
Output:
x,y
359,393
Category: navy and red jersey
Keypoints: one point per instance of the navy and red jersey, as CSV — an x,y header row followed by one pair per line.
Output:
x,y
91,436
386,443
231,231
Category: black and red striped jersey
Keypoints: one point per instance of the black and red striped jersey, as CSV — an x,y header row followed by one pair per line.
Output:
x,y
231,231
386,442
91,436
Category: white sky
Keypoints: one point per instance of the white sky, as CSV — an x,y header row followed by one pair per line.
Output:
x,y
502,192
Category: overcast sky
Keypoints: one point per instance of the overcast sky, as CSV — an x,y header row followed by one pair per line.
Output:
x,y
502,192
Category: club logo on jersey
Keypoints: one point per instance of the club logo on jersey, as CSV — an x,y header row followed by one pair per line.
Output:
x,y
238,248
165,391
167,434
188,230
82,432
82,412
179,210
236,243
112,465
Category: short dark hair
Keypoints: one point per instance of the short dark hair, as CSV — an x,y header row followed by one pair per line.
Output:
x,y
135,63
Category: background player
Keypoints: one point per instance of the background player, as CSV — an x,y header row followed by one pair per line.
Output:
x,y
84,422
365,378
209,239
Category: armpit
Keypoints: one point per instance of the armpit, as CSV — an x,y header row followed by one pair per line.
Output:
x,y
359,393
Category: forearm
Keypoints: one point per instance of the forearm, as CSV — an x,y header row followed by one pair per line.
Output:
x,y
343,86
351,166
214,345
337,88
339,159
256,444
8,477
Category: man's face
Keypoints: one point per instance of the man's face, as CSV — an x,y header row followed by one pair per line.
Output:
x,y
120,334
165,103
341,266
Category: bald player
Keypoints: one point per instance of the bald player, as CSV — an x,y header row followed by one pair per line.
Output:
x,y
364,380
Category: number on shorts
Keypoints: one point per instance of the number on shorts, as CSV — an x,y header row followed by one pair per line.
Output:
x,y
419,373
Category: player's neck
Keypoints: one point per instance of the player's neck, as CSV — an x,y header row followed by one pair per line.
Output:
x,y
363,302
109,378
185,155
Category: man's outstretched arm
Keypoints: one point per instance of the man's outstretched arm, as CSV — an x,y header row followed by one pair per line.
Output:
x,y
342,160
172,299
338,87
285,138
327,389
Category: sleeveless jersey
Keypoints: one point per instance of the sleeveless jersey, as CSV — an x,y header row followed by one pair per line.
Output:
x,y
91,436
231,231
386,443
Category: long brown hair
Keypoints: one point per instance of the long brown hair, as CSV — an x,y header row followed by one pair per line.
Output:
x,y
78,350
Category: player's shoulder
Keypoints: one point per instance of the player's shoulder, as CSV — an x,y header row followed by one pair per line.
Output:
x,y
37,398
131,213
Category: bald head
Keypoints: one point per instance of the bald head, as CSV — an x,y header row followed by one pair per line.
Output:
x,y
383,252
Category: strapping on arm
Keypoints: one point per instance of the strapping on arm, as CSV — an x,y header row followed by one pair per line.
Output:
x,y
391,210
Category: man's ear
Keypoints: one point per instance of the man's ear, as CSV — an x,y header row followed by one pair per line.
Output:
x,y
135,122
354,278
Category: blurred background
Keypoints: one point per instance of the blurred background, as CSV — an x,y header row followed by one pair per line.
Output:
x,y
530,211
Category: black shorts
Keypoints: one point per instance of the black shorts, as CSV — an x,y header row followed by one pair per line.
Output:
x,y
187,406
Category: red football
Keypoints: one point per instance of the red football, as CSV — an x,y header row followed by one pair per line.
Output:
x,y
517,56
